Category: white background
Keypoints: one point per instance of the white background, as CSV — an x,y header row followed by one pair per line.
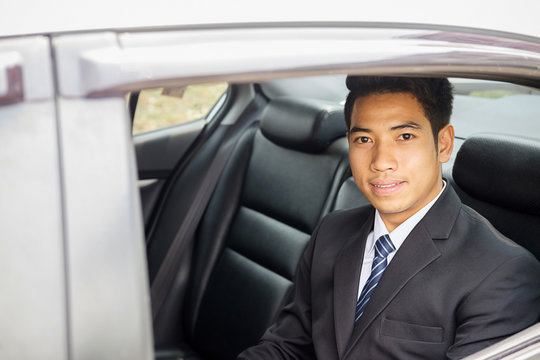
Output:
x,y
42,16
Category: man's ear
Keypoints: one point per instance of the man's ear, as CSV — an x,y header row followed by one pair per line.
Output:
x,y
446,143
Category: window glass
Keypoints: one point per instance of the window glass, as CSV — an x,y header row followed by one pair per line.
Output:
x,y
495,107
162,107
480,106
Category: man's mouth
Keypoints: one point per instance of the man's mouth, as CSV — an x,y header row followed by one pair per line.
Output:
x,y
386,187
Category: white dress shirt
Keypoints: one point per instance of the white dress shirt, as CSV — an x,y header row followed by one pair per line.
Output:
x,y
397,236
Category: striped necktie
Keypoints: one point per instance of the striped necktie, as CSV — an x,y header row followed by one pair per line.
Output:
x,y
383,247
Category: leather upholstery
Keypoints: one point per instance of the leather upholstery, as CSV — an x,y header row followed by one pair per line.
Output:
x,y
303,124
501,170
280,180
177,198
498,176
350,196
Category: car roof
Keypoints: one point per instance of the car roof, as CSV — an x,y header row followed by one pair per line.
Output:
x,y
44,17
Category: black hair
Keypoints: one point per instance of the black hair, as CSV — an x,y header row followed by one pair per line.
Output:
x,y
433,94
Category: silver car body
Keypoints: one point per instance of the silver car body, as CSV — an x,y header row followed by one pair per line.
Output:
x,y
72,265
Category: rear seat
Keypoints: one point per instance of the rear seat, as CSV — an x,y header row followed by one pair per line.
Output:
x,y
499,177
279,181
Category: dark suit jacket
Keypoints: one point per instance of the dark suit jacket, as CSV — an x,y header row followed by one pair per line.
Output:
x,y
455,286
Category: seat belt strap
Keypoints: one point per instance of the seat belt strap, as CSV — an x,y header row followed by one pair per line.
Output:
x,y
186,232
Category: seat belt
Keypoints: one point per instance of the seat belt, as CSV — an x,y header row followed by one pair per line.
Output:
x,y
186,232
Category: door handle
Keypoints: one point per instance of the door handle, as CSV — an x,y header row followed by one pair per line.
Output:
x,y
11,78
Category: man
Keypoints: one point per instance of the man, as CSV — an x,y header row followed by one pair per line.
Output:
x,y
417,275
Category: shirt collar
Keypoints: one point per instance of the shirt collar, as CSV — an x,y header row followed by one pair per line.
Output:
x,y
401,232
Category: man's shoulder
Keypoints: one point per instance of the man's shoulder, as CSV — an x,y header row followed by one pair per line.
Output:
x,y
339,228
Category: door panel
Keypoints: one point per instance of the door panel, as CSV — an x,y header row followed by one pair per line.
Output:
x,y
32,270
159,151
107,281
166,124
149,190
108,286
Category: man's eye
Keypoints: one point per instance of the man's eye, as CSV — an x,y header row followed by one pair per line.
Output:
x,y
406,136
363,139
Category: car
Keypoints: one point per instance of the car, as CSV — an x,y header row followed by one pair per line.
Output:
x,y
126,246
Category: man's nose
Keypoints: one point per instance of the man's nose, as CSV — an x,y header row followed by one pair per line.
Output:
x,y
383,158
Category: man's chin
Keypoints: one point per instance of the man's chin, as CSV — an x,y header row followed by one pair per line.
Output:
x,y
390,211
387,208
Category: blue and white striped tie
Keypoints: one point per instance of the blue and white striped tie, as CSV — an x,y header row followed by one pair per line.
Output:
x,y
383,247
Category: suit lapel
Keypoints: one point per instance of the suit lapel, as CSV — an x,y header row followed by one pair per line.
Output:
x,y
346,278
417,252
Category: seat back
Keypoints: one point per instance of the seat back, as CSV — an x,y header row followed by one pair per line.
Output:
x,y
349,196
499,176
280,180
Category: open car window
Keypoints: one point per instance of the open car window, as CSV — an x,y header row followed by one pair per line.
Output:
x,y
163,107
479,105
495,107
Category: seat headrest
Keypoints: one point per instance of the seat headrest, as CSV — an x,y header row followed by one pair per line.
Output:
x,y
501,170
306,125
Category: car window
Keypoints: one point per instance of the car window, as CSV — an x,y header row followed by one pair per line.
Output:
x,y
162,107
480,106
495,107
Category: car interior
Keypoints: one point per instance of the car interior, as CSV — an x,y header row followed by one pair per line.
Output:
x,y
230,200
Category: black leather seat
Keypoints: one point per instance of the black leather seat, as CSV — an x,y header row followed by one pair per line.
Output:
x,y
499,176
281,178
349,196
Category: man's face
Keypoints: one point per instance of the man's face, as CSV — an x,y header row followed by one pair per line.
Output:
x,y
393,155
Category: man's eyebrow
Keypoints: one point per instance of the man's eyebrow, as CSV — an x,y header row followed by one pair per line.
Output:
x,y
407,125
358,129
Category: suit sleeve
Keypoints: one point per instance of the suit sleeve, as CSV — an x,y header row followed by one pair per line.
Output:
x,y
504,303
290,336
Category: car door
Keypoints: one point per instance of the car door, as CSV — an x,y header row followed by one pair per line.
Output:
x,y
74,280
72,249
116,63
32,245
